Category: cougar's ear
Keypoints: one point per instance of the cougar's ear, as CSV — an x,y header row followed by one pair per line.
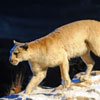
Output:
x,y
17,43
25,46
14,42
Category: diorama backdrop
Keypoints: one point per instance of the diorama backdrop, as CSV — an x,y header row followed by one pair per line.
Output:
x,y
27,20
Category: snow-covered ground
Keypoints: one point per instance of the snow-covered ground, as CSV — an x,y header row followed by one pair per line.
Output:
x,y
88,90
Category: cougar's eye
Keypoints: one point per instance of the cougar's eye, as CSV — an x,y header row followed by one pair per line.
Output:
x,y
15,53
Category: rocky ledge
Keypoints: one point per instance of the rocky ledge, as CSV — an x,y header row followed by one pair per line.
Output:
x,y
88,90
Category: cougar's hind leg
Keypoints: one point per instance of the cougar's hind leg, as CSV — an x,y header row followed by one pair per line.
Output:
x,y
90,63
94,45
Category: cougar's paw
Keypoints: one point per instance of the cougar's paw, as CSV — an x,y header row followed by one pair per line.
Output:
x,y
84,78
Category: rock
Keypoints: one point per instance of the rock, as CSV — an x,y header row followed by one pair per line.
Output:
x,y
87,90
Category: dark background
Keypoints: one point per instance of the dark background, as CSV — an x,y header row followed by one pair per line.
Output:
x,y
27,20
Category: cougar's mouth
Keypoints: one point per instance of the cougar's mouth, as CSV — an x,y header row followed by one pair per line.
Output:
x,y
14,62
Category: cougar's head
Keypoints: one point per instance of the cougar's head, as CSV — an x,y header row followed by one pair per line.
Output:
x,y
18,53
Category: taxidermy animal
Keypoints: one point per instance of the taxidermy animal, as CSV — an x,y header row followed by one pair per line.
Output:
x,y
68,41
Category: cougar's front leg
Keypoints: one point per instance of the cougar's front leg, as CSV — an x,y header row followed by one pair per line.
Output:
x,y
64,68
40,74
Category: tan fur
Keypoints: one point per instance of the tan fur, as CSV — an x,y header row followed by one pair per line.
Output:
x,y
69,41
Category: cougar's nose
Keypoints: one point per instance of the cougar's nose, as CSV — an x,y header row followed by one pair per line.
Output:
x,y
10,60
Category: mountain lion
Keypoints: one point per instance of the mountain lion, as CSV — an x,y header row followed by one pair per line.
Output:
x,y
68,41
